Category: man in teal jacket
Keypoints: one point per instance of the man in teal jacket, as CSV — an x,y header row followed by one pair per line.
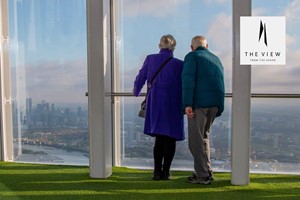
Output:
x,y
203,94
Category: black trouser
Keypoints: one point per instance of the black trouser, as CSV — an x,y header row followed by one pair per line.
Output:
x,y
164,150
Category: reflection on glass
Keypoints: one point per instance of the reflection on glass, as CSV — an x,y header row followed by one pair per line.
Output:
x,y
49,80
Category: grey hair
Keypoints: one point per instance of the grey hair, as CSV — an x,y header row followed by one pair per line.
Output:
x,y
167,42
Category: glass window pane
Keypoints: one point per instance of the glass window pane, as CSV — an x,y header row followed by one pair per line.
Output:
x,y
275,137
280,79
142,23
140,26
274,130
49,80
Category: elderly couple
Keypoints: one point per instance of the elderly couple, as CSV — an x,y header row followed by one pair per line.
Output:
x,y
194,87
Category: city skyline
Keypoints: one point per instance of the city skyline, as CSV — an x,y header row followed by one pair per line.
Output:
x,y
274,141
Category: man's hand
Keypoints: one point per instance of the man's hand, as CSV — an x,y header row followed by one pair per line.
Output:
x,y
189,112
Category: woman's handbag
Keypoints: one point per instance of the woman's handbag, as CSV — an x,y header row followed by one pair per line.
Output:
x,y
142,112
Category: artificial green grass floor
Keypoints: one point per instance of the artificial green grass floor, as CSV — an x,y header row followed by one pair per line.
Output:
x,y
47,182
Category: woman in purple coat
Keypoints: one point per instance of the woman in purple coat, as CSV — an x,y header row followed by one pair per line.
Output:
x,y
164,118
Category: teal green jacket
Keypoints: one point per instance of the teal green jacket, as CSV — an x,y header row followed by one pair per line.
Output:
x,y
203,80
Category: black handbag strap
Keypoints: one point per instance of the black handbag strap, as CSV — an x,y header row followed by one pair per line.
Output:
x,y
157,72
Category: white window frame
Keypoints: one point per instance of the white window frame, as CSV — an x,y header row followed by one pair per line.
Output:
x,y
6,101
241,102
115,84
99,85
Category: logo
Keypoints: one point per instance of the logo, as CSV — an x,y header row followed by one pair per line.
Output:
x,y
262,30
263,40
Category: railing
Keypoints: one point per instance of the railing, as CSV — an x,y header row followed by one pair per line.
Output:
x,y
253,95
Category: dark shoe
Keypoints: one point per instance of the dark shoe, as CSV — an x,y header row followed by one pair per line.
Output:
x,y
165,175
204,180
211,175
156,175
199,180
191,178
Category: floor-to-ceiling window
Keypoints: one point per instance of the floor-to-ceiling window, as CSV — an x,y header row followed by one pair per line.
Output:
x,y
48,64
141,23
48,80
275,141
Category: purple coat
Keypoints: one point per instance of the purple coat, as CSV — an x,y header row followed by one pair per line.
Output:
x,y
164,101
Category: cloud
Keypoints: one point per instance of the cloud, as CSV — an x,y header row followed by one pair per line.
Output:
x,y
278,79
209,2
292,11
155,8
219,36
54,82
258,12
219,33
290,40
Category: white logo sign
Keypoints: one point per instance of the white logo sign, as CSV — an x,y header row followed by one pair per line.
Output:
x,y
262,41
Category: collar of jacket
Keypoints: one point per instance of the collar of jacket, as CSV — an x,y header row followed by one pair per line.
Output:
x,y
201,48
166,51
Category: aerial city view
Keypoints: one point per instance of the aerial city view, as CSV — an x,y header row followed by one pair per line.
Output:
x,y
59,134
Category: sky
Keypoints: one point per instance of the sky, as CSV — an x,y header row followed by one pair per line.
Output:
x,y
48,43
48,50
